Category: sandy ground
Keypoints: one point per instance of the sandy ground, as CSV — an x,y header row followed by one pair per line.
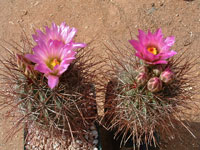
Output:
x,y
102,19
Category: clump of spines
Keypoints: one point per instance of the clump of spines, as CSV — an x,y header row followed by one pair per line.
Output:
x,y
68,110
135,113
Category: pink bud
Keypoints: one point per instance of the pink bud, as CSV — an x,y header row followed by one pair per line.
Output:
x,y
154,84
141,79
167,76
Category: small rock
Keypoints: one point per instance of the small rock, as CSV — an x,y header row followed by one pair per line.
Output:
x,y
51,15
94,133
11,22
151,10
86,137
24,12
92,128
36,3
95,142
78,142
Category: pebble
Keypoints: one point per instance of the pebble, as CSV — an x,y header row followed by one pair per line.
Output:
x,y
92,128
78,142
24,12
95,142
95,133
36,3
55,145
11,22
86,137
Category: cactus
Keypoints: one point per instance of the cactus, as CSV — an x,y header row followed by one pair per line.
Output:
x,y
67,110
134,112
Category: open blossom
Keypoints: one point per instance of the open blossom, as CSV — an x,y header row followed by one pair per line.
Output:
x,y
54,51
61,33
153,48
52,59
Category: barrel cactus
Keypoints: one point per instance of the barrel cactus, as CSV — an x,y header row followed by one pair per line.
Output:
x,y
147,94
52,85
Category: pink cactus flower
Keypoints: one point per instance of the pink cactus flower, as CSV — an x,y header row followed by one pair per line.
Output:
x,y
52,59
153,48
61,33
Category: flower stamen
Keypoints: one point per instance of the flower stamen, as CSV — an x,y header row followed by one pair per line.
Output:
x,y
153,50
53,63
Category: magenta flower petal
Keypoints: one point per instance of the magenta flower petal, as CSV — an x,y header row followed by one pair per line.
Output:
x,y
60,33
170,41
68,34
63,68
159,62
35,37
152,47
67,60
142,36
40,53
159,34
52,81
168,55
32,58
137,45
69,53
76,45
42,68
53,47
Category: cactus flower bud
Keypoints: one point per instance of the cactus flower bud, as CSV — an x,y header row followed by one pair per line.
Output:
x,y
141,79
142,69
25,66
154,84
157,71
167,76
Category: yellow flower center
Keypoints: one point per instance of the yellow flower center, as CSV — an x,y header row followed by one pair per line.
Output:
x,y
153,50
53,63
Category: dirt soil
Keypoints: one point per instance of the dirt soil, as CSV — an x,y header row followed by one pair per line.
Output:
x,y
102,19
